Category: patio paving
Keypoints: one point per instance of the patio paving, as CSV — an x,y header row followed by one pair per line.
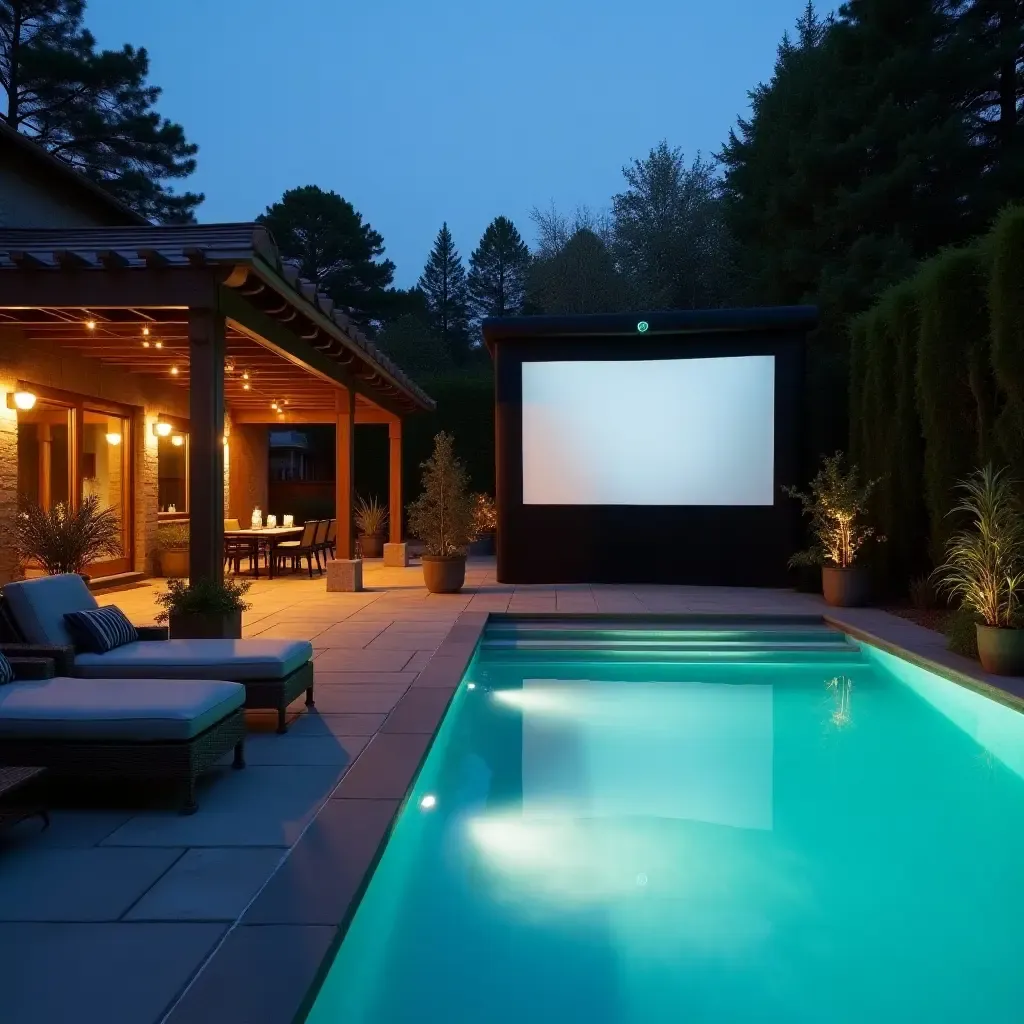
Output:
x,y
152,916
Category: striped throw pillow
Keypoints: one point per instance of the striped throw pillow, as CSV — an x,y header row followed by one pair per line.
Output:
x,y
6,671
99,630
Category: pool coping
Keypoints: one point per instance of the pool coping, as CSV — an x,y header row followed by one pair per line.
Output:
x,y
291,931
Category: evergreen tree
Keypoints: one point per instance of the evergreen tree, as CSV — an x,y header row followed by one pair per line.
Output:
x,y
415,347
334,248
444,283
92,108
579,278
669,235
497,271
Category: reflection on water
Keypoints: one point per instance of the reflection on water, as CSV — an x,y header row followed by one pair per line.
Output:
x,y
840,687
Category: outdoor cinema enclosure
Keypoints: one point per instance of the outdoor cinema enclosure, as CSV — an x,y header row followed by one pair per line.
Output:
x,y
649,447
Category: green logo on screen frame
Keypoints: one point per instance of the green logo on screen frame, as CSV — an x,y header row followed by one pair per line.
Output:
x,y
642,326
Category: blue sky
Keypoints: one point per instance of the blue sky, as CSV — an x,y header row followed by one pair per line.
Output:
x,y
420,111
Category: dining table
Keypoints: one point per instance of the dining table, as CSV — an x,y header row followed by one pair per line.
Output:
x,y
270,535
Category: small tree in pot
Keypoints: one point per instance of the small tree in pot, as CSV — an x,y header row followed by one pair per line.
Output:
x,y
172,542
836,504
204,609
371,519
442,517
63,539
984,567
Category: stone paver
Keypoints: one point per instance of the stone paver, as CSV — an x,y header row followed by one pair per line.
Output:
x,y
315,801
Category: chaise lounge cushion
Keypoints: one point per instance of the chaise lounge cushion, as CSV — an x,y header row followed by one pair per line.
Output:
x,y
115,710
39,606
240,660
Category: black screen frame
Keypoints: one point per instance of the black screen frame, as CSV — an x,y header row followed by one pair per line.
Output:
x,y
647,544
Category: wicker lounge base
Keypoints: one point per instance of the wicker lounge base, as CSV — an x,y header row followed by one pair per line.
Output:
x,y
181,763
277,694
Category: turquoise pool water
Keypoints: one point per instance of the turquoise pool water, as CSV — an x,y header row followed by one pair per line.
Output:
x,y
724,826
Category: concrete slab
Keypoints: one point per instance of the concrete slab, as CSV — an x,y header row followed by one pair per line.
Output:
x,y
361,699
334,660
213,884
419,711
386,768
69,829
107,973
95,884
337,724
259,976
325,870
303,750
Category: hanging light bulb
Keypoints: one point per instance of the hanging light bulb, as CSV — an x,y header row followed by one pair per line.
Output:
x,y
145,330
246,387
159,344
245,375
174,371
90,325
145,344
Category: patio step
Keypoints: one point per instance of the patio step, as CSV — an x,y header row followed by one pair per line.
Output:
x,y
119,581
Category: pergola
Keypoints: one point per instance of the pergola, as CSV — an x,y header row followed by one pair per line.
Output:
x,y
217,298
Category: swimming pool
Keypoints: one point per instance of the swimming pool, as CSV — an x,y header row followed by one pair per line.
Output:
x,y
732,824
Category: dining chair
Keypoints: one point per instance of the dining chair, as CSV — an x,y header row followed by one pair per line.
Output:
x,y
332,538
320,543
295,549
234,549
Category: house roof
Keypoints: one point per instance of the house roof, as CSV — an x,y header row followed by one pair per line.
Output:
x,y
267,281
675,321
68,176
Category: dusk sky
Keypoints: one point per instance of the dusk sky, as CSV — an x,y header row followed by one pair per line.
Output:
x,y
420,111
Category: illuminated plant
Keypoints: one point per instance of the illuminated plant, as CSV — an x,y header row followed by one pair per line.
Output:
x,y
984,565
836,504
485,515
442,516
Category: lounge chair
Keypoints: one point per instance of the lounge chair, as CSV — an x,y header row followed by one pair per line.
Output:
x,y
139,729
273,672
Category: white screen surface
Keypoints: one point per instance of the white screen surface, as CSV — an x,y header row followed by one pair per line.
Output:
x,y
650,432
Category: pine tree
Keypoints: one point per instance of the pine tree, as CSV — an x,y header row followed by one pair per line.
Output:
x,y
92,108
335,249
498,270
444,283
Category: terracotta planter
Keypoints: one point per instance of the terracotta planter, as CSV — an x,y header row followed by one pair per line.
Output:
x,y
1001,650
844,588
206,626
174,563
444,574
371,545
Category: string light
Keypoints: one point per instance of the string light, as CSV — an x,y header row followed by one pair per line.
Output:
x,y
145,344
145,330
245,375
159,344
246,387
90,325
174,371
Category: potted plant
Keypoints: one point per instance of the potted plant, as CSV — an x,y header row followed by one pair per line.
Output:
x,y
836,504
172,549
485,522
984,567
442,518
63,539
204,609
371,518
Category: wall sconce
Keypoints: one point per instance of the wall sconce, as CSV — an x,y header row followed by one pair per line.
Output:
x,y
113,438
23,400
177,440
162,428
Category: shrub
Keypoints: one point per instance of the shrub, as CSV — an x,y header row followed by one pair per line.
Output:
x,y
961,635
951,298
172,536
1006,310
835,503
442,516
203,597
371,516
984,564
63,539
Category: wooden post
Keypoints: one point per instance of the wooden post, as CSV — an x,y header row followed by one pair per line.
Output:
x,y
395,481
206,447
344,454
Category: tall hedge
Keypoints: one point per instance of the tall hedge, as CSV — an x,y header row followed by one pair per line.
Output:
x,y
953,328
857,365
1006,311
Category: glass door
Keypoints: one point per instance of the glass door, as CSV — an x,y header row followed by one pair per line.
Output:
x,y
45,453
104,465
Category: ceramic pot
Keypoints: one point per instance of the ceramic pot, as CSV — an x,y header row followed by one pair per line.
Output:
x,y
844,588
371,545
444,574
206,626
174,563
1001,650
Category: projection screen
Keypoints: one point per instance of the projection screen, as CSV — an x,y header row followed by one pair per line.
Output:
x,y
649,432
